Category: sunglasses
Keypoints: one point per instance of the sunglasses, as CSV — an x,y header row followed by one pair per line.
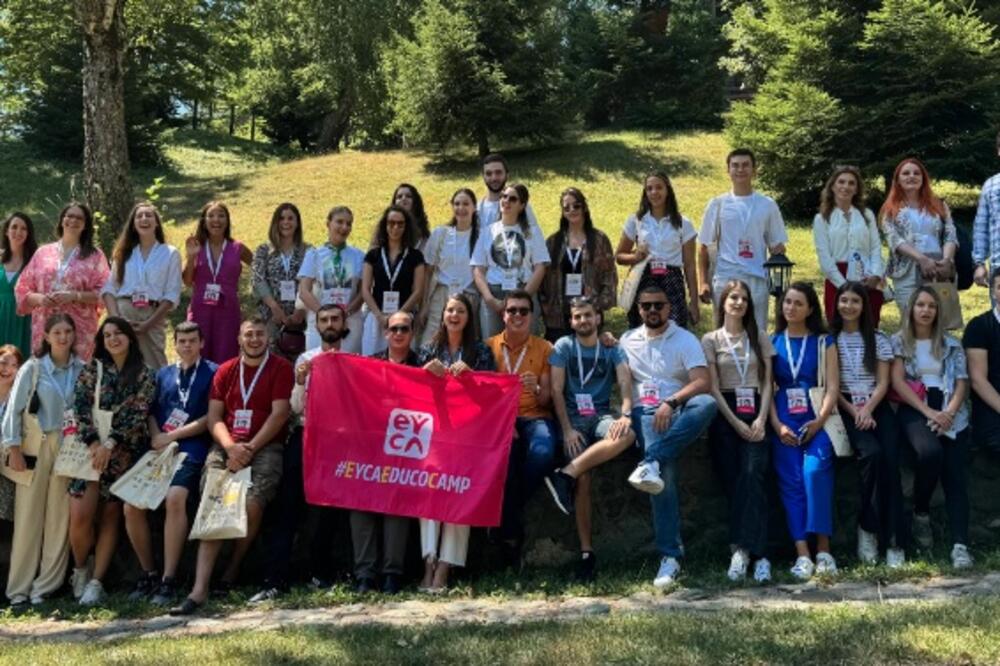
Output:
x,y
512,198
568,208
395,223
521,312
399,330
652,305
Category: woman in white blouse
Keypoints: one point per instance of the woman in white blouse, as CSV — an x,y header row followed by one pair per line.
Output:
x,y
145,281
847,240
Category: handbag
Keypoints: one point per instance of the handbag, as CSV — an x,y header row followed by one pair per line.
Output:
x,y
950,315
74,460
146,483
291,340
834,425
222,511
630,285
31,438
915,385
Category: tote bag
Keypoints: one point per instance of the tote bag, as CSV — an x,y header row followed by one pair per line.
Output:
x,y
834,426
222,512
146,483
74,459
31,437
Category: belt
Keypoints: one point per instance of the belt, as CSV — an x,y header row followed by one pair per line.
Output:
x,y
152,303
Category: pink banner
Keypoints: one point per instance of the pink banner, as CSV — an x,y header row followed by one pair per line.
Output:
x,y
395,439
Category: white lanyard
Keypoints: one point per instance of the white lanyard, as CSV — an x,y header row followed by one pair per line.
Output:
x,y
743,367
509,247
453,359
214,268
506,359
286,263
66,388
996,314
244,392
64,262
579,362
796,365
746,216
186,393
399,265
574,259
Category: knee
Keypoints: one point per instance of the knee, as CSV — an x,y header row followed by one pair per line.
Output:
x,y
134,513
176,502
929,454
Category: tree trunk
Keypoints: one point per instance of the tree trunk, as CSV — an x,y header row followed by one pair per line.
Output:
x,y
211,114
483,139
194,115
105,145
335,124
232,119
253,127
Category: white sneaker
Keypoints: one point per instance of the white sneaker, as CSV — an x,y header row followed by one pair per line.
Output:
x,y
93,594
78,580
895,558
669,568
960,557
762,571
867,546
646,478
825,564
738,565
804,568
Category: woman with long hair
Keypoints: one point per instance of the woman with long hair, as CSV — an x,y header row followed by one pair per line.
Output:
x,y
658,232
865,360
583,264
127,387
42,393
739,359
930,376
802,451
274,273
17,246
408,198
847,240
214,264
66,276
145,282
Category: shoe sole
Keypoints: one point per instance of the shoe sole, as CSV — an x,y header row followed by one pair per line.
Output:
x,y
649,487
555,497
661,584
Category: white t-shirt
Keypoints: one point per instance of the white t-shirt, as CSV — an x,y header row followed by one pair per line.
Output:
x,y
930,368
750,224
503,248
665,359
448,252
664,240
318,264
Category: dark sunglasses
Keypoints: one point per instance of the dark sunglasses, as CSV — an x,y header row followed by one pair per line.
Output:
x,y
652,305
399,330
395,223
523,312
513,198
573,206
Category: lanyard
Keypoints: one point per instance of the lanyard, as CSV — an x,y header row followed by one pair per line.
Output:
x,y
247,392
66,388
337,264
286,263
996,314
214,268
64,262
796,365
574,259
186,393
509,247
506,358
747,214
743,367
452,359
579,362
399,265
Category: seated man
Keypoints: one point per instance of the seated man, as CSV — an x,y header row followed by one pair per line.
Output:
x,y
247,417
982,348
670,384
583,374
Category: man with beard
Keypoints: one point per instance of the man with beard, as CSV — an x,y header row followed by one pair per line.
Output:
x,y
247,415
290,506
583,374
495,177
672,408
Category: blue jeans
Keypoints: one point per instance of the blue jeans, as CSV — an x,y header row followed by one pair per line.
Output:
x,y
532,456
686,426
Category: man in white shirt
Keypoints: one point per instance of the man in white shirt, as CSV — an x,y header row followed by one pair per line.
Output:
x,y
495,173
741,227
671,406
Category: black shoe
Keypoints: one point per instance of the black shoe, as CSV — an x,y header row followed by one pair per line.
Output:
x,y
364,585
561,485
391,584
145,586
165,593
222,588
586,568
188,607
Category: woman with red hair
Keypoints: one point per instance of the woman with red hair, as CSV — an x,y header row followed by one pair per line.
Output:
x,y
919,230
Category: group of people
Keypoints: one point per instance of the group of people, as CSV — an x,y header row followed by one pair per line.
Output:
x,y
475,295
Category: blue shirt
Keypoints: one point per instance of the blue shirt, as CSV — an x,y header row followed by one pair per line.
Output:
x,y
986,227
599,384
168,397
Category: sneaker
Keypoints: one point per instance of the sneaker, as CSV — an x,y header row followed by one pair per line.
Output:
x,y
738,565
895,558
78,581
391,584
165,594
364,586
19,601
804,568
317,583
38,599
646,478
669,569
93,593
560,485
145,586
867,546
825,564
762,571
267,594
586,568
922,533
960,557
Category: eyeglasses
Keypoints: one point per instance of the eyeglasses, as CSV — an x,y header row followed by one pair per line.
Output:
x,y
396,223
399,330
512,198
569,208
520,312
652,305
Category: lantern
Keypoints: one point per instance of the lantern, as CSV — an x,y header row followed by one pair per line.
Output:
x,y
779,274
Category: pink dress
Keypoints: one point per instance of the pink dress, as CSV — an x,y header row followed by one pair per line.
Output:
x,y
220,322
40,276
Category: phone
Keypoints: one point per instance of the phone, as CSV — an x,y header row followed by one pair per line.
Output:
x,y
30,461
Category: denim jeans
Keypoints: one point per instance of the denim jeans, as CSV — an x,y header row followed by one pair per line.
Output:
x,y
532,456
686,426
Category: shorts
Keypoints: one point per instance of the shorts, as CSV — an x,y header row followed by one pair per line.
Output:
x,y
592,428
265,471
188,476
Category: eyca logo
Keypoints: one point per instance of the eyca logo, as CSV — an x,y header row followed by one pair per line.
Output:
x,y
409,434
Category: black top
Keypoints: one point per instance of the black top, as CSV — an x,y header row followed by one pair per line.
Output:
x,y
983,332
404,280
412,358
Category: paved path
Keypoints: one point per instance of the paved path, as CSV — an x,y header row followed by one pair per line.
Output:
x,y
413,613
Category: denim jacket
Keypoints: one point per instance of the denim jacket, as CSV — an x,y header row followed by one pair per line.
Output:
x,y
954,368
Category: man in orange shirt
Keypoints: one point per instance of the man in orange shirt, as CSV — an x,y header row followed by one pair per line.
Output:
x,y
533,452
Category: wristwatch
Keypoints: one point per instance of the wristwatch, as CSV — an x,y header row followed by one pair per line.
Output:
x,y
109,444
673,403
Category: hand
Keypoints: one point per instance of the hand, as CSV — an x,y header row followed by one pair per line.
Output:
x,y
980,276
100,456
140,327
384,321
620,428
608,339
529,381
239,456
863,418
459,368
161,441
873,282
497,305
810,430
945,269
572,443
436,368
928,268
62,297
788,436
15,459
694,311
641,252
743,430
45,301
705,294
941,421
757,430
302,372
296,318
421,319
661,418
192,247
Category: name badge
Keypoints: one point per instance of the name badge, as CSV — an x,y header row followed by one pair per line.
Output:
x,y
337,296
140,299
242,420
585,404
390,302
178,417
746,248
859,396
287,290
798,401
649,394
213,294
509,281
69,426
657,267
746,401
574,284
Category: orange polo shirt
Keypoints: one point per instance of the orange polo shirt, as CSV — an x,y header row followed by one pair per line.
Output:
x,y
536,360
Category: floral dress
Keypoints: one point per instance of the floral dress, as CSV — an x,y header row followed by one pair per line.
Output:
x,y
267,272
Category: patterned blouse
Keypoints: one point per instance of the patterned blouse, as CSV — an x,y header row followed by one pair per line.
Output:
x,y
483,360
600,279
899,230
267,272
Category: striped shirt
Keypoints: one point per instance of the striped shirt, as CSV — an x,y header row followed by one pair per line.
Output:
x,y
854,376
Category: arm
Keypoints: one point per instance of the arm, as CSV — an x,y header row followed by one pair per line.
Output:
x,y
17,401
758,429
110,302
306,294
545,387
876,266
691,278
537,275
246,256
572,441
698,383
367,280
625,256
479,277
899,384
981,235
978,366
129,421
705,289
412,303
720,400
827,264
217,424
272,426
191,249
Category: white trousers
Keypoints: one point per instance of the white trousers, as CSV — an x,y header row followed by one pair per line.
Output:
x,y
445,542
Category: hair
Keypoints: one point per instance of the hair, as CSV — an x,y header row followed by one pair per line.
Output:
x,y
741,152
671,203
128,239
134,365
202,232
652,289
381,238
827,200
588,224
188,327
895,200
11,349
326,307
272,232
469,337
423,226
30,243
749,321
814,322
517,295
253,320
405,313
866,322
522,218
87,236
908,329
474,232
339,210
578,302
494,157
44,348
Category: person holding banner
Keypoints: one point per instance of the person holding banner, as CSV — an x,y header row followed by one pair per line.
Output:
x,y
124,386
670,385
178,414
518,352
40,547
582,402
247,415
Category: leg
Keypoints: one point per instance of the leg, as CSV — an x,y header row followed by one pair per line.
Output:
x,y
208,553
137,528
288,507
597,454
255,514
758,291
583,511
868,451
929,457
107,537
429,533
175,529
55,538
953,478
751,497
510,523
29,517
81,523
395,533
890,494
726,448
439,297
454,548
788,464
364,539
539,456
818,475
